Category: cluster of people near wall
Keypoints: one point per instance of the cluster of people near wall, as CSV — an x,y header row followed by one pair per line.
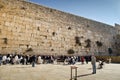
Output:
x,y
49,59
41,59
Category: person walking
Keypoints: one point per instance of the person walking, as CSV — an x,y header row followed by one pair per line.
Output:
x,y
93,62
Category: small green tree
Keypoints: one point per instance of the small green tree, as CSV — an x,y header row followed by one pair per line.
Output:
x,y
29,49
71,51
110,51
77,40
99,45
5,40
88,43
1,6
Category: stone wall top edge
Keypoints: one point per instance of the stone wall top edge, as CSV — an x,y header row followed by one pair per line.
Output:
x,y
67,13
64,13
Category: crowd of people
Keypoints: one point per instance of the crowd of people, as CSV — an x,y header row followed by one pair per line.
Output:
x,y
49,59
41,59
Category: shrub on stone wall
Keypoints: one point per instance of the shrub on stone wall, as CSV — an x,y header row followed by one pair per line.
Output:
x,y
88,43
98,43
110,51
29,49
77,40
1,6
71,51
5,40
23,8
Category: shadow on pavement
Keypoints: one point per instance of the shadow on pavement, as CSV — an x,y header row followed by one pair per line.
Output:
x,y
24,67
84,75
89,68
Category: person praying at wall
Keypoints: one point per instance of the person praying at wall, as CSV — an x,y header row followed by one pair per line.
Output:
x,y
33,60
0,59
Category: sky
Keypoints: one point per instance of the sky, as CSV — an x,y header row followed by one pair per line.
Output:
x,y
105,11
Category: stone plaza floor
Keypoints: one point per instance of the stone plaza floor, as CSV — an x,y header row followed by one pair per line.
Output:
x,y
58,72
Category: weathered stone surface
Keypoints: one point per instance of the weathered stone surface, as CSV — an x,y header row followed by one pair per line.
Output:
x,y
42,28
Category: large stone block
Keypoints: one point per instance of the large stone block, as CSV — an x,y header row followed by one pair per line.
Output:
x,y
30,24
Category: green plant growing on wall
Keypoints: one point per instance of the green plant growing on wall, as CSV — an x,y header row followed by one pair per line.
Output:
x,y
71,51
23,8
0,31
51,10
77,40
99,45
88,43
52,49
5,40
110,51
1,6
29,49
53,33
88,26
69,28
38,28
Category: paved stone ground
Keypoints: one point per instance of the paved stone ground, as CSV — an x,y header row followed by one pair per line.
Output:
x,y
58,72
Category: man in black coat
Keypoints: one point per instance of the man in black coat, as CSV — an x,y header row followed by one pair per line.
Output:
x,y
0,59
33,58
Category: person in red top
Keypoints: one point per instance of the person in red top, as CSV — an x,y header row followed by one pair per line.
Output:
x,y
82,59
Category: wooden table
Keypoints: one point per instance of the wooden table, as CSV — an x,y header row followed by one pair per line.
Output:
x,y
71,76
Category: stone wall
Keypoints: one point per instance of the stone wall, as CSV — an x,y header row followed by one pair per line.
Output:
x,y
49,31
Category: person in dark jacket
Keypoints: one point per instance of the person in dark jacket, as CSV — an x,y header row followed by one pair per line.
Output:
x,y
0,59
33,60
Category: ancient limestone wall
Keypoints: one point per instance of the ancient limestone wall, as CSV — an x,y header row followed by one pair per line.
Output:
x,y
49,31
